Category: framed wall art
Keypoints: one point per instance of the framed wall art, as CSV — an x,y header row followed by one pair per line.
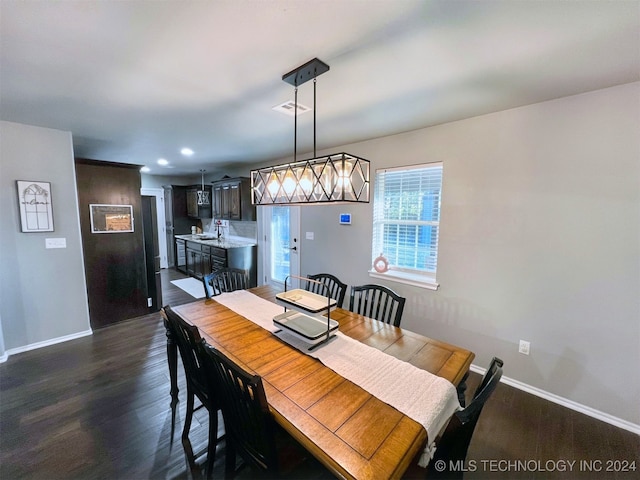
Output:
x,y
36,207
111,218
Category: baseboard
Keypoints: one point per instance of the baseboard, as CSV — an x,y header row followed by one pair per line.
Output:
x,y
46,343
565,402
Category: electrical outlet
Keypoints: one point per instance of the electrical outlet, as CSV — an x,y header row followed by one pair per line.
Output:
x,y
149,302
524,347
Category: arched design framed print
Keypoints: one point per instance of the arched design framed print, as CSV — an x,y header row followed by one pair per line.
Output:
x,y
36,207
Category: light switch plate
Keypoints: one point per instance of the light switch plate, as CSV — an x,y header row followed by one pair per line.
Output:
x,y
55,243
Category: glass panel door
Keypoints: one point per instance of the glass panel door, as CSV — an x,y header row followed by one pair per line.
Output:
x,y
280,250
281,253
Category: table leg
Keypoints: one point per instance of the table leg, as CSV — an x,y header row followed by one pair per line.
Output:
x,y
172,358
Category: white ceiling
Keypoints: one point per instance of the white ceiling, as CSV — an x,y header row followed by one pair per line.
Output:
x,y
137,80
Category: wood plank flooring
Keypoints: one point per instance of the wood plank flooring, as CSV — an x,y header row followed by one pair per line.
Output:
x,y
98,408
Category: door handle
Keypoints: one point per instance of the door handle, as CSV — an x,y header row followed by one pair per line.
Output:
x,y
293,248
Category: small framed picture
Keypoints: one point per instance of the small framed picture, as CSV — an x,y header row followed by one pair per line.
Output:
x,y
111,218
36,207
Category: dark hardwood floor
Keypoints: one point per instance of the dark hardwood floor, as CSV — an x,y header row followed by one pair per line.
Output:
x,y
98,408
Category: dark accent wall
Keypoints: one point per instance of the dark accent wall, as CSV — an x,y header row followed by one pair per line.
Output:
x,y
114,262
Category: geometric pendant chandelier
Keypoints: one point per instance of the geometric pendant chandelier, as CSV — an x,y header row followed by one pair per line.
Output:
x,y
338,177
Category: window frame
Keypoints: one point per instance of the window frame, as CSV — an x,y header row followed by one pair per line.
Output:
x,y
409,276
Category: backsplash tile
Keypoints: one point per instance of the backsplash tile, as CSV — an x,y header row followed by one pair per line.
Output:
x,y
244,229
236,229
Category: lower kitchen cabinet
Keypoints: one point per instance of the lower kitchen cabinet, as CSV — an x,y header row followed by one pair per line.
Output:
x,y
195,266
201,259
218,258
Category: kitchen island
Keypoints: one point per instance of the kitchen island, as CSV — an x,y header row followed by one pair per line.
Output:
x,y
198,255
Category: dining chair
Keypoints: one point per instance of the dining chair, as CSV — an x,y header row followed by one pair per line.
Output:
x,y
335,287
452,446
188,338
377,301
225,280
250,430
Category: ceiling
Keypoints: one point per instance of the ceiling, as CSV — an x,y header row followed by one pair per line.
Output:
x,y
135,81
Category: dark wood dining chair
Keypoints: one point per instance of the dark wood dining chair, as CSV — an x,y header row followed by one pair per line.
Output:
x,y
453,445
225,280
188,338
377,301
250,430
336,289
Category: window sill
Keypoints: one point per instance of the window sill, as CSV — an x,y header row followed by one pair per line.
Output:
x,y
406,278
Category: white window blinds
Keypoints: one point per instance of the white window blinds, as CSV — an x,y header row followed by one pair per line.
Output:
x,y
407,217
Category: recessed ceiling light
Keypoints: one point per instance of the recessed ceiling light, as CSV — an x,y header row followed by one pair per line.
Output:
x,y
187,152
145,169
163,161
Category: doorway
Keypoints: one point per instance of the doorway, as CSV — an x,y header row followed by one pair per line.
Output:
x,y
280,253
151,252
158,193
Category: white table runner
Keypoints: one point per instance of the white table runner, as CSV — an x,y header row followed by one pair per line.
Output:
x,y
426,398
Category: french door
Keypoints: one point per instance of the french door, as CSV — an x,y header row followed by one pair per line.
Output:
x,y
280,235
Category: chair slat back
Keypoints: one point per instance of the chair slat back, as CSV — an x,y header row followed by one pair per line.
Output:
x,y
225,280
336,288
377,301
247,419
188,337
455,441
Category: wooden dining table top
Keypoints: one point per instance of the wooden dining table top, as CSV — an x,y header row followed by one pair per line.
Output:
x,y
350,431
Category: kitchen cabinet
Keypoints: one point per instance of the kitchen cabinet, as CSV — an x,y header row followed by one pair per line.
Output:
x,y
198,260
203,257
232,199
193,209
218,258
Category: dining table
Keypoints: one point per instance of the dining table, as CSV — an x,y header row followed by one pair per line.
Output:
x,y
348,429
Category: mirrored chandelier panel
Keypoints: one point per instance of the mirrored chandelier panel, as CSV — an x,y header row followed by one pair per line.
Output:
x,y
339,177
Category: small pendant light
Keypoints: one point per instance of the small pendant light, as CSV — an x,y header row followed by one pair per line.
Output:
x,y
203,195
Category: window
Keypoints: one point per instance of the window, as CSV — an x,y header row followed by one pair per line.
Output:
x,y
406,219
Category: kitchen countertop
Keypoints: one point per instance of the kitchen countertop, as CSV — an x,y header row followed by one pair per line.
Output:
x,y
224,242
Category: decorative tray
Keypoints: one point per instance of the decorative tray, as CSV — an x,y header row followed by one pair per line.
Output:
x,y
305,301
311,330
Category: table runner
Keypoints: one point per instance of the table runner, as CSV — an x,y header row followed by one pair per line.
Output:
x,y
426,398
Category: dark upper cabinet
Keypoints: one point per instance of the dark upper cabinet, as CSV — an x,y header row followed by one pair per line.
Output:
x,y
232,199
195,210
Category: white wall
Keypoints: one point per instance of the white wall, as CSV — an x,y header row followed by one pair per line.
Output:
x,y
540,240
42,291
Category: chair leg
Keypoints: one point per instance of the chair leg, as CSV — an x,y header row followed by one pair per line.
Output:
x,y
213,441
230,460
186,443
174,409
172,359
